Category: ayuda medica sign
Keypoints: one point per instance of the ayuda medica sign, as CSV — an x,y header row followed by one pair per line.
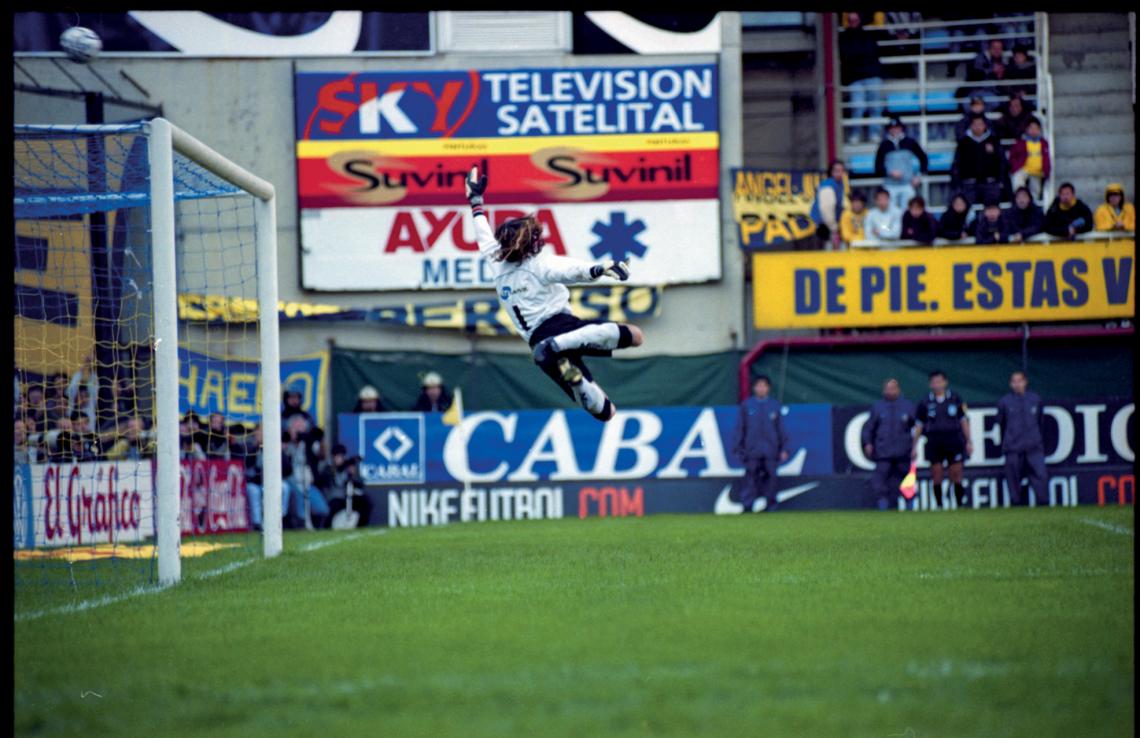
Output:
x,y
616,162
934,286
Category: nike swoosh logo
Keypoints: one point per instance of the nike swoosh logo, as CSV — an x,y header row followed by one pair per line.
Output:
x,y
725,506
646,39
195,32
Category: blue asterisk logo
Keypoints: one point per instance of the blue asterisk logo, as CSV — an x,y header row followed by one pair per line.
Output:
x,y
618,239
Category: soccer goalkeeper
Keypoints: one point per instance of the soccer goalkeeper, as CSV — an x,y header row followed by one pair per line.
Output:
x,y
531,284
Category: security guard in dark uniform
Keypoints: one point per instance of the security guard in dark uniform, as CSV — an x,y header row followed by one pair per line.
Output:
x,y
941,417
1020,417
760,443
887,441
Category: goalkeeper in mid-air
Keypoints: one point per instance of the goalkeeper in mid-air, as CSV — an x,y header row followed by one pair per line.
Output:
x,y
531,284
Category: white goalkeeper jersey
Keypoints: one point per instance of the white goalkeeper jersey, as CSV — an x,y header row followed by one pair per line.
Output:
x,y
535,289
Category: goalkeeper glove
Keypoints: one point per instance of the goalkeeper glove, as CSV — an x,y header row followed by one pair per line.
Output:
x,y
615,269
475,186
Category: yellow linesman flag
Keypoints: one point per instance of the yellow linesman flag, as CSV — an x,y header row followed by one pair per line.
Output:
x,y
909,482
454,414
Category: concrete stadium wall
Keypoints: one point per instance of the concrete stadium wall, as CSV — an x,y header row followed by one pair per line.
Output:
x,y
244,109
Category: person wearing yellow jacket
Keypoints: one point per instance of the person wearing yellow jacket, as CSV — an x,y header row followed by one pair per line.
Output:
x,y
1115,214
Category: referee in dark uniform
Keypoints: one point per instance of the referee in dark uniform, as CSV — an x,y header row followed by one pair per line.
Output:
x,y
1020,415
941,417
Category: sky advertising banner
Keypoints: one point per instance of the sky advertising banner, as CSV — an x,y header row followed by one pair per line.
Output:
x,y
617,162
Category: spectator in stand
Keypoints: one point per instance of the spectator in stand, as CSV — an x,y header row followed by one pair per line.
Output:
x,y
1115,214
190,438
1025,219
34,409
434,397
917,224
979,169
988,65
55,398
292,400
133,444
79,443
1068,216
827,208
883,222
1029,158
899,161
977,106
87,379
851,222
83,401
25,449
1015,116
861,72
57,452
302,443
990,226
952,225
368,401
1022,67
217,438
340,474
907,25
247,449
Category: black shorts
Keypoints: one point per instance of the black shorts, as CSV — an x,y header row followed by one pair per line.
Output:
x,y
945,448
561,323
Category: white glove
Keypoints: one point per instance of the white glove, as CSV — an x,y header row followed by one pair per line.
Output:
x,y
475,186
611,268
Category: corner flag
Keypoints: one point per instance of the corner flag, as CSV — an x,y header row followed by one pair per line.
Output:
x,y
909,482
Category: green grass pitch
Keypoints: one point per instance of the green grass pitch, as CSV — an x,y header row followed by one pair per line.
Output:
x,y
968,623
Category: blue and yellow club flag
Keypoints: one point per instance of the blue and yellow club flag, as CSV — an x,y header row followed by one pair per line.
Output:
x,y
910,481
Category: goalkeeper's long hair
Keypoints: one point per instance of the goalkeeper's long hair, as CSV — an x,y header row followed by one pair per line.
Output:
x,y
519,239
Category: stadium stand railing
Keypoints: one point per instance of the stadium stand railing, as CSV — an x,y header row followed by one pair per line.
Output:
x,y
1039,238
930,104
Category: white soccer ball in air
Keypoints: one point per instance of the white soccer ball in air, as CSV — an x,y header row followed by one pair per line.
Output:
x,y
81,44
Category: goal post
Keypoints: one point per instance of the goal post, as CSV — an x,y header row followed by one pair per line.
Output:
x,y
163,140
115,224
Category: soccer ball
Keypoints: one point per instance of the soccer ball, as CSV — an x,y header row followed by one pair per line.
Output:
x,y
81,44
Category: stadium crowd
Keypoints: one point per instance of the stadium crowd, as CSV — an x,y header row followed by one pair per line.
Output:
x,y
1001,160
56,422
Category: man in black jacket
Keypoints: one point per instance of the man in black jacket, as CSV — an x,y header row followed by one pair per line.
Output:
x,y
990,225
860,69
1024,220
1020,415
979,169
887,442
1068,216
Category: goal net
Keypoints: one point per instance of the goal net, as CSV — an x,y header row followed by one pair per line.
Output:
x,y
141,435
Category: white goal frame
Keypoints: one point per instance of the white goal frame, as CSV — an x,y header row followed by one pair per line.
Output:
x,y
163,139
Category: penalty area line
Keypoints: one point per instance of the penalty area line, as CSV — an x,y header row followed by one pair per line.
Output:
x,y
152,589
1118,529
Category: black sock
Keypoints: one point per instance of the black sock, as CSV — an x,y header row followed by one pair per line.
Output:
x,y
960,491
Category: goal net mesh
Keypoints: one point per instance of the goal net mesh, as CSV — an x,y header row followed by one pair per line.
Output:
x,y
85,432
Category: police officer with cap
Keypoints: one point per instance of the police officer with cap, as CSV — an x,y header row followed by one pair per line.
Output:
x,y
887,441
1020,417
